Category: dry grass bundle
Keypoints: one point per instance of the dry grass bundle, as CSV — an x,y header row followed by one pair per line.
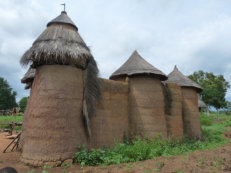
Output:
x,y
136,65
58,44
177,77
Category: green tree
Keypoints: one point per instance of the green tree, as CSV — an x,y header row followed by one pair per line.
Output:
x,y
214,89
22,104
7,95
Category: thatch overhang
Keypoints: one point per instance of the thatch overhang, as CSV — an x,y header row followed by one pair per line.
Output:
x,y
28,78
60,43
136,65
201,104
177,77
29,75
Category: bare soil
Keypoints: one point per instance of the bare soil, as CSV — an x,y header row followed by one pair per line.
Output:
x,y
213,160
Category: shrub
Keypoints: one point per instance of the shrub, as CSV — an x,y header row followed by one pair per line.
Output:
x,y
143,149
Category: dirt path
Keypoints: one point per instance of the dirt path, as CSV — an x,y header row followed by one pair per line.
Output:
x,y
214,160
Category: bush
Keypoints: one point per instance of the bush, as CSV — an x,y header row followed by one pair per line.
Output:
x,y
22,104
207,120
143,149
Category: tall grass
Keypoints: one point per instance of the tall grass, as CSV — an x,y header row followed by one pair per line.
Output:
x,y
143,149
8,119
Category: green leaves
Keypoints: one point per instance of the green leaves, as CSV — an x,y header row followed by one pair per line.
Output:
x,y
7,96
214,88
22,104
143,149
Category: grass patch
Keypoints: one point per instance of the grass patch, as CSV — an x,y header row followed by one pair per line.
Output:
x,y
8,119
143,149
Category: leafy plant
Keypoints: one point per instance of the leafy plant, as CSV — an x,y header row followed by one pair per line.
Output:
x,y
143,149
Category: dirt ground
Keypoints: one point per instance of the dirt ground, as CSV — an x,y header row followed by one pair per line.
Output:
x,y
214,160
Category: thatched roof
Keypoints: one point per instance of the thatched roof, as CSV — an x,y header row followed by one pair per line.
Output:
x,y
201,104
136,65
60,43
63,18
29,75
177,77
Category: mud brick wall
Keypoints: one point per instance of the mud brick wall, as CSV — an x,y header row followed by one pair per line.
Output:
x,y
191,118
54,116
174,118
146,107
110,122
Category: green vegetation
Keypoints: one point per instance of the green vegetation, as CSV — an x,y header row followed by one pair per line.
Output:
x,y
22,104
143,149
7,119
7,96
214,89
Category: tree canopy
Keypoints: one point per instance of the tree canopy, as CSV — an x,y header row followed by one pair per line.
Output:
x,y
22,104
214,88
7,95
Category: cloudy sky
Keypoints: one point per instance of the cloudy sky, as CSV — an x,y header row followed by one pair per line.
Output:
x,y
194,35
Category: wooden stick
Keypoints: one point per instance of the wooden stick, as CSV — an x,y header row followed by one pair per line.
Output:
x,y
11,142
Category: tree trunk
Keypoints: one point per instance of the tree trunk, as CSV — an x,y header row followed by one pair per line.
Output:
x,y
218,114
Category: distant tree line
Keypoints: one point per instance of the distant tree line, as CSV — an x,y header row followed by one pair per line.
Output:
x,y
214,89
7,95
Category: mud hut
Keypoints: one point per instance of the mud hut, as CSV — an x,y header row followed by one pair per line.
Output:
x,y
145,98
62,98
190,112
27,79
201,104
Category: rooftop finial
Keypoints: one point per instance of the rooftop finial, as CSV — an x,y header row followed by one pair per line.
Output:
x,y
64,7
175,68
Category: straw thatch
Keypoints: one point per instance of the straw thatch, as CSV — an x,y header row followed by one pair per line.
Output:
x,y
29,77
177,77
201,104
61,44
136,65
63,18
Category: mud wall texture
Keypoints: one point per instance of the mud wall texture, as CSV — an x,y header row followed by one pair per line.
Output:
x,y
54,120
110,122
146,107
174,116
190,112
24,126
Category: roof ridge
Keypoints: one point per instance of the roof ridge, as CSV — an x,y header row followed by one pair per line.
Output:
x,y
179,78
63,18
136,64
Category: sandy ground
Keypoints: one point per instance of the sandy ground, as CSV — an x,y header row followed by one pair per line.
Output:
x,y
214,160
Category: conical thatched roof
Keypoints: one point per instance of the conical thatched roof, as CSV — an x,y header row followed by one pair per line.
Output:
x,y
136,65
29,75
177,77
201,104
63,18
60,43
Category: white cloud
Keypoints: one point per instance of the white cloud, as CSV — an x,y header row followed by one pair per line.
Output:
x,y
192,34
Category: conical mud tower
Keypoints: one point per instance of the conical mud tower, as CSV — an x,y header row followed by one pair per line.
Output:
x,y
146,99
190,112
62,95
